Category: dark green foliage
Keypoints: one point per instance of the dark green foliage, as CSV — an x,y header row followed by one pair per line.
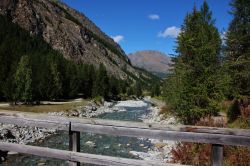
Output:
x,y
234,111
101,86
155,90
123,86
16,42
23,81
130,91
196,85
55,88
237,54
43,74
138,89
114,86
88,77
146,79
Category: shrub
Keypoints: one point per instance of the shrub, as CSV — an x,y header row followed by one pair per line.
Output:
x,y
239,156
98,99
234,111
192,154
199,154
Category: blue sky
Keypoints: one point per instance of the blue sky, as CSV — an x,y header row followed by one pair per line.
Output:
x,y
146,24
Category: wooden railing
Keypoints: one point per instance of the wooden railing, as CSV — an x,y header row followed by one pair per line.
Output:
x,y
211,135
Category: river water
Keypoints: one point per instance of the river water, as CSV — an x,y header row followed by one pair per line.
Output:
x,y
93,143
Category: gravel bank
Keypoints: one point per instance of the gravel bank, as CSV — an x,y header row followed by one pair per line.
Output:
x,y
161,151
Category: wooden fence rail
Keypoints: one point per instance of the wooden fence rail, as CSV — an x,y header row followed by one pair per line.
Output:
x,y
212,135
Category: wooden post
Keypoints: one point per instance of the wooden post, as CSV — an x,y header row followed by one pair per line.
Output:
x,y
74,144
217,155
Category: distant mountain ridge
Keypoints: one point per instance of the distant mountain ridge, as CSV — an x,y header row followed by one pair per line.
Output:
x,y
69,32
155,62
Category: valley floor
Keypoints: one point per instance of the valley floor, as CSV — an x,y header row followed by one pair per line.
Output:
x,y
45,106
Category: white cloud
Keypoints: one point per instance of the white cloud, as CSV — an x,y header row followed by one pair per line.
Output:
x,y
154,17
172,32
118,38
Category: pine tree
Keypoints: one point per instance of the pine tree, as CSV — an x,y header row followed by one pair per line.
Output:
x,y
23,80
123,86
114,86
155,91
101,87
91,77
238,48
130,91
138,89
194,88
55,90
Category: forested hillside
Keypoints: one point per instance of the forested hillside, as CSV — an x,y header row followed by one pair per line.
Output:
x,y
69,32
30,70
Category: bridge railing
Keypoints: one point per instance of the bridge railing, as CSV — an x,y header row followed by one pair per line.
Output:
x,y
211,135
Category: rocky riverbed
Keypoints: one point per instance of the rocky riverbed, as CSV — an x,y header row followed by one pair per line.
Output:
x,y
25,135
21,135
92,109
159,151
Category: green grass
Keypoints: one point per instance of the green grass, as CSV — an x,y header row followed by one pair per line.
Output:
x,y
240,123
161,98
45,108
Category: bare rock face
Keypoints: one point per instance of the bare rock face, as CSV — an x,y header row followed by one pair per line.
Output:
x,y
153,61
68,32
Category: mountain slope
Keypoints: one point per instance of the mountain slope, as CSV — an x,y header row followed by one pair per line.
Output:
x,y
69,32
152,61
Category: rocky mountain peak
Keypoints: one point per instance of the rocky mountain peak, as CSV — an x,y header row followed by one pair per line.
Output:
x,y
155,62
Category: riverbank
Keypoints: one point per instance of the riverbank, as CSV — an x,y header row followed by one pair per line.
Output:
x,y
22,135
26,135
161,150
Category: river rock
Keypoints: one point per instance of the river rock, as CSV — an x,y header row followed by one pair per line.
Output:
x,y
6,133
150,155
73,112
23,135
90,144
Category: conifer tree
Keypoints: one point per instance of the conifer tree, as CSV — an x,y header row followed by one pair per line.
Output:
x,y
23,80
138,89
238,48
114,86
101,87
130,91
55,87
194,88
155,91
91,77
